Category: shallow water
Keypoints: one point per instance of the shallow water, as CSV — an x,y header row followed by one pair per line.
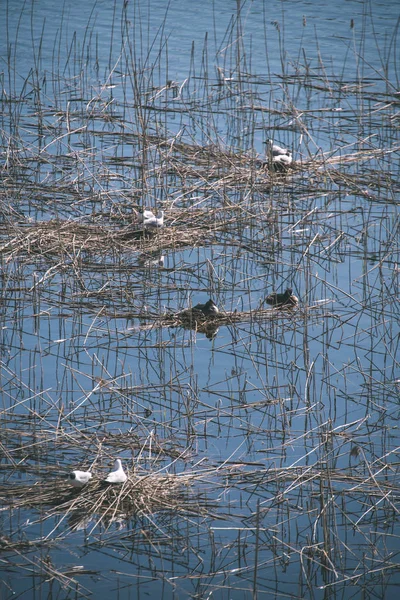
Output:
x,y
286,421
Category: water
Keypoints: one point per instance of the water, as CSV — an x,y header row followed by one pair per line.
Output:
x,y
270,444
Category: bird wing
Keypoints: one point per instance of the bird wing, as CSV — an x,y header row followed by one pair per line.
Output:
x,y
148,214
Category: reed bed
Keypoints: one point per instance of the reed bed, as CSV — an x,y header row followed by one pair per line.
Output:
x,y
261,443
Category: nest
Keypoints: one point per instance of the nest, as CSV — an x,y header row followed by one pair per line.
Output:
x,y
101,503
59,237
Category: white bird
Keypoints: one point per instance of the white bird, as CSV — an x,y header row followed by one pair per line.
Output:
x,y
117,475
282,161
146,214
79,478
150,220
153,262
274,150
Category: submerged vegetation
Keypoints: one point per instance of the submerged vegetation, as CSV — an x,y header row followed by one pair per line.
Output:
x,y
260,440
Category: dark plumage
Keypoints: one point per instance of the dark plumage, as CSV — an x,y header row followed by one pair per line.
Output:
x,y
285,299
200,312
208,309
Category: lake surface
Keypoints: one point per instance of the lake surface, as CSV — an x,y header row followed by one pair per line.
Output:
x,y
262,445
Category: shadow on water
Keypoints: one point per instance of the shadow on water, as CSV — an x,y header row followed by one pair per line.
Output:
x,y
260,440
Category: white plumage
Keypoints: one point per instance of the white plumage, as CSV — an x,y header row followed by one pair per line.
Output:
x,y
278,158
150,220
150,261
282,160
79,478
117,475
147,214
275,150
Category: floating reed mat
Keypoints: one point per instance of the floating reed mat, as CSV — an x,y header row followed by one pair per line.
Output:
x,y
223,318
60,237
101,503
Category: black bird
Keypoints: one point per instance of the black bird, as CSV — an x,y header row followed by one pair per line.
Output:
x,y
208,309
200,312
285,299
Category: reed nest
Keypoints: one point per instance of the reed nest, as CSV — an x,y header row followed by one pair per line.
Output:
x,y
65,237
210,324
193,319
102,504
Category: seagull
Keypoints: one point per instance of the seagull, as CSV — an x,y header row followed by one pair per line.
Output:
x,y
285,299
275,150
147,214
281,162
150,261
117,475
280,157
79,478
150,220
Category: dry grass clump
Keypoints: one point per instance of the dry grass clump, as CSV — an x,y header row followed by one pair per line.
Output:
x,y
101,503
195,318
70,237
209,325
